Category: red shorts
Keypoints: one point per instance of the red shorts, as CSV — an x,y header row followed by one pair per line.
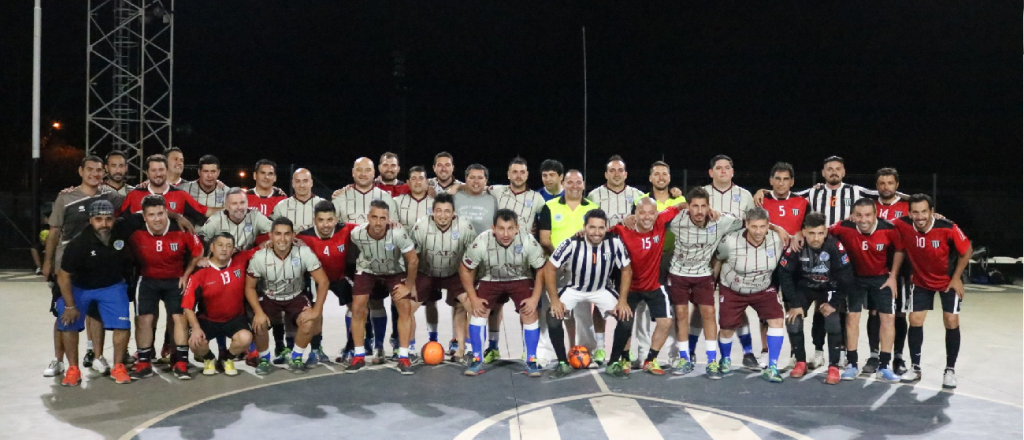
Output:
x,y
698,290
497,293
429,288
286,312
766,303
377,286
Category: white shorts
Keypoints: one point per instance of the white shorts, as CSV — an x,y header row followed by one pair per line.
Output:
x,y
604,299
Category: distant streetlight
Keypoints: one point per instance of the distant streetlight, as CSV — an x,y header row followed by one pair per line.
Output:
x,y
57,125
241,174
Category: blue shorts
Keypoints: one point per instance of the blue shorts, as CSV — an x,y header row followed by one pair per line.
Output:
x,y
112,302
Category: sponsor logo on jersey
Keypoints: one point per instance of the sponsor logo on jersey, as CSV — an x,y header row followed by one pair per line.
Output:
x,y
81,208
846,259
823,256
839,245
118,244
784,262
174,247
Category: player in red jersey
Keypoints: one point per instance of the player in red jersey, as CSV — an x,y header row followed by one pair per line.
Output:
x,y
785,208
265,196
219,290
178,201
874,246
328,239
166,256
890,207
644,241
929,243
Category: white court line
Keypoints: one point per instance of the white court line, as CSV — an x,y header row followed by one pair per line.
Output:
x,y
624,418
721,427
539,424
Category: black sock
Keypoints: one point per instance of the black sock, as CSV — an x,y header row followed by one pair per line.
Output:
x,y
851,358
368,339
315,342
842,329
952,346
557,335
915,338
834,343
278,337
901,336
874,327
145,354
883,360
623,330
182,352
818,331
796,343
209,356
394,321
652,354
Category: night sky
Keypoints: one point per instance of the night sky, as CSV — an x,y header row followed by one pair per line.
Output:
x,y
924,86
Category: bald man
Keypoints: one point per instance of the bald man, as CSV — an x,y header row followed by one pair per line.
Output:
x,y
299,207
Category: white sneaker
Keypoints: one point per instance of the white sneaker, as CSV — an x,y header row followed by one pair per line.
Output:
x,y
792,362
101,366
763,361
949,379
817,361
914,374
56,367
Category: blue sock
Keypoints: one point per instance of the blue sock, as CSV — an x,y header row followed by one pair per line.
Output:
x,y
297,353
745,340
492,340
368,338
693,342
725,347
531,332
433,336
252,346
775,337
711,355
222,343
266,355
380,327
290,342
412,345
477,332
348,326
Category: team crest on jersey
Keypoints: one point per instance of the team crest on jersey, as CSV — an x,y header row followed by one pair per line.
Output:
x,y
528,203
879,247
712,228
295,261
248,227
558,217
846,259
118,244
796,211
736,198
656,237
935,244
770,253
455,235
519,248
823,257
389,247
238,273
174,247
783,262
848,201
341,248
219,199
899,214
173,205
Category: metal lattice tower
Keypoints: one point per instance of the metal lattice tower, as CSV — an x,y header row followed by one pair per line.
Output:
x,y
130,67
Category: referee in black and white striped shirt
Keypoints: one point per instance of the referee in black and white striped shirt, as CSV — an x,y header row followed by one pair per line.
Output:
x,y
590,260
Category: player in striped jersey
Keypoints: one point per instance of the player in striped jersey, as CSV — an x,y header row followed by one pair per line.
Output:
x,y
726,197
749,259
417,203
264,197
691,279
526,202
591,259
387,258
237,219
299,207
116,166
615,198
276,290
505,257
441,240
353,203
444,166
206,189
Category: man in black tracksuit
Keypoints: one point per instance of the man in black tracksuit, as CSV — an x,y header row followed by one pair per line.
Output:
x,y
821,273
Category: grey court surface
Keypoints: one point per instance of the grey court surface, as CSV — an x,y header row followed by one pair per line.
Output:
x,y
438,402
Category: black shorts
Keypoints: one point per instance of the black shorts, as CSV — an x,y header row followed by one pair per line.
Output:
x,y
921,299
820,297
880,300
657,301
150,291
227,329
93,311
343,289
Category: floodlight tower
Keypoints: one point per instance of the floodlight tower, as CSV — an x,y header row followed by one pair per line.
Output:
x,y
130,80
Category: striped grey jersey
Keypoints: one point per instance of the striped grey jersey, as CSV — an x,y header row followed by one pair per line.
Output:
x,y
748,268
282,279
616,205
499,263
245,232
696,245
835,204
411,210
125,189
432,182
734,200
440,252
526,204
353,205
212,199
300,213
588,265
384,256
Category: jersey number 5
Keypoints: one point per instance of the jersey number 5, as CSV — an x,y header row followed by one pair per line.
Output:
x,y
782,211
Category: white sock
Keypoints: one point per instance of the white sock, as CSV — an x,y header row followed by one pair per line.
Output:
x,y
403,352
710,346
88,345
600,340
359,350
432,327
298,350
683,347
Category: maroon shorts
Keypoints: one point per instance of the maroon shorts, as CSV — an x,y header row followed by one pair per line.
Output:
x,y
429,288
698,290
377,286
766,303
287,311
497,293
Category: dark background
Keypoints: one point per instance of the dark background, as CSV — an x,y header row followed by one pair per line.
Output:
x,y
927,87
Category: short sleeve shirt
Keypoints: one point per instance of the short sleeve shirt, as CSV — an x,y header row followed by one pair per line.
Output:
x,y
353,205
212,199
245,232
501,263
282,279
71,214
696,245
440,252
299,212
384,256
411,210
526,204
748,268
734,200
616,205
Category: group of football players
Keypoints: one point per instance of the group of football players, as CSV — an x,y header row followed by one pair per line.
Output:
x,y
243,268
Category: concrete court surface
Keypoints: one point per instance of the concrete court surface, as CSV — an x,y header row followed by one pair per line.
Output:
x,y
438,402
